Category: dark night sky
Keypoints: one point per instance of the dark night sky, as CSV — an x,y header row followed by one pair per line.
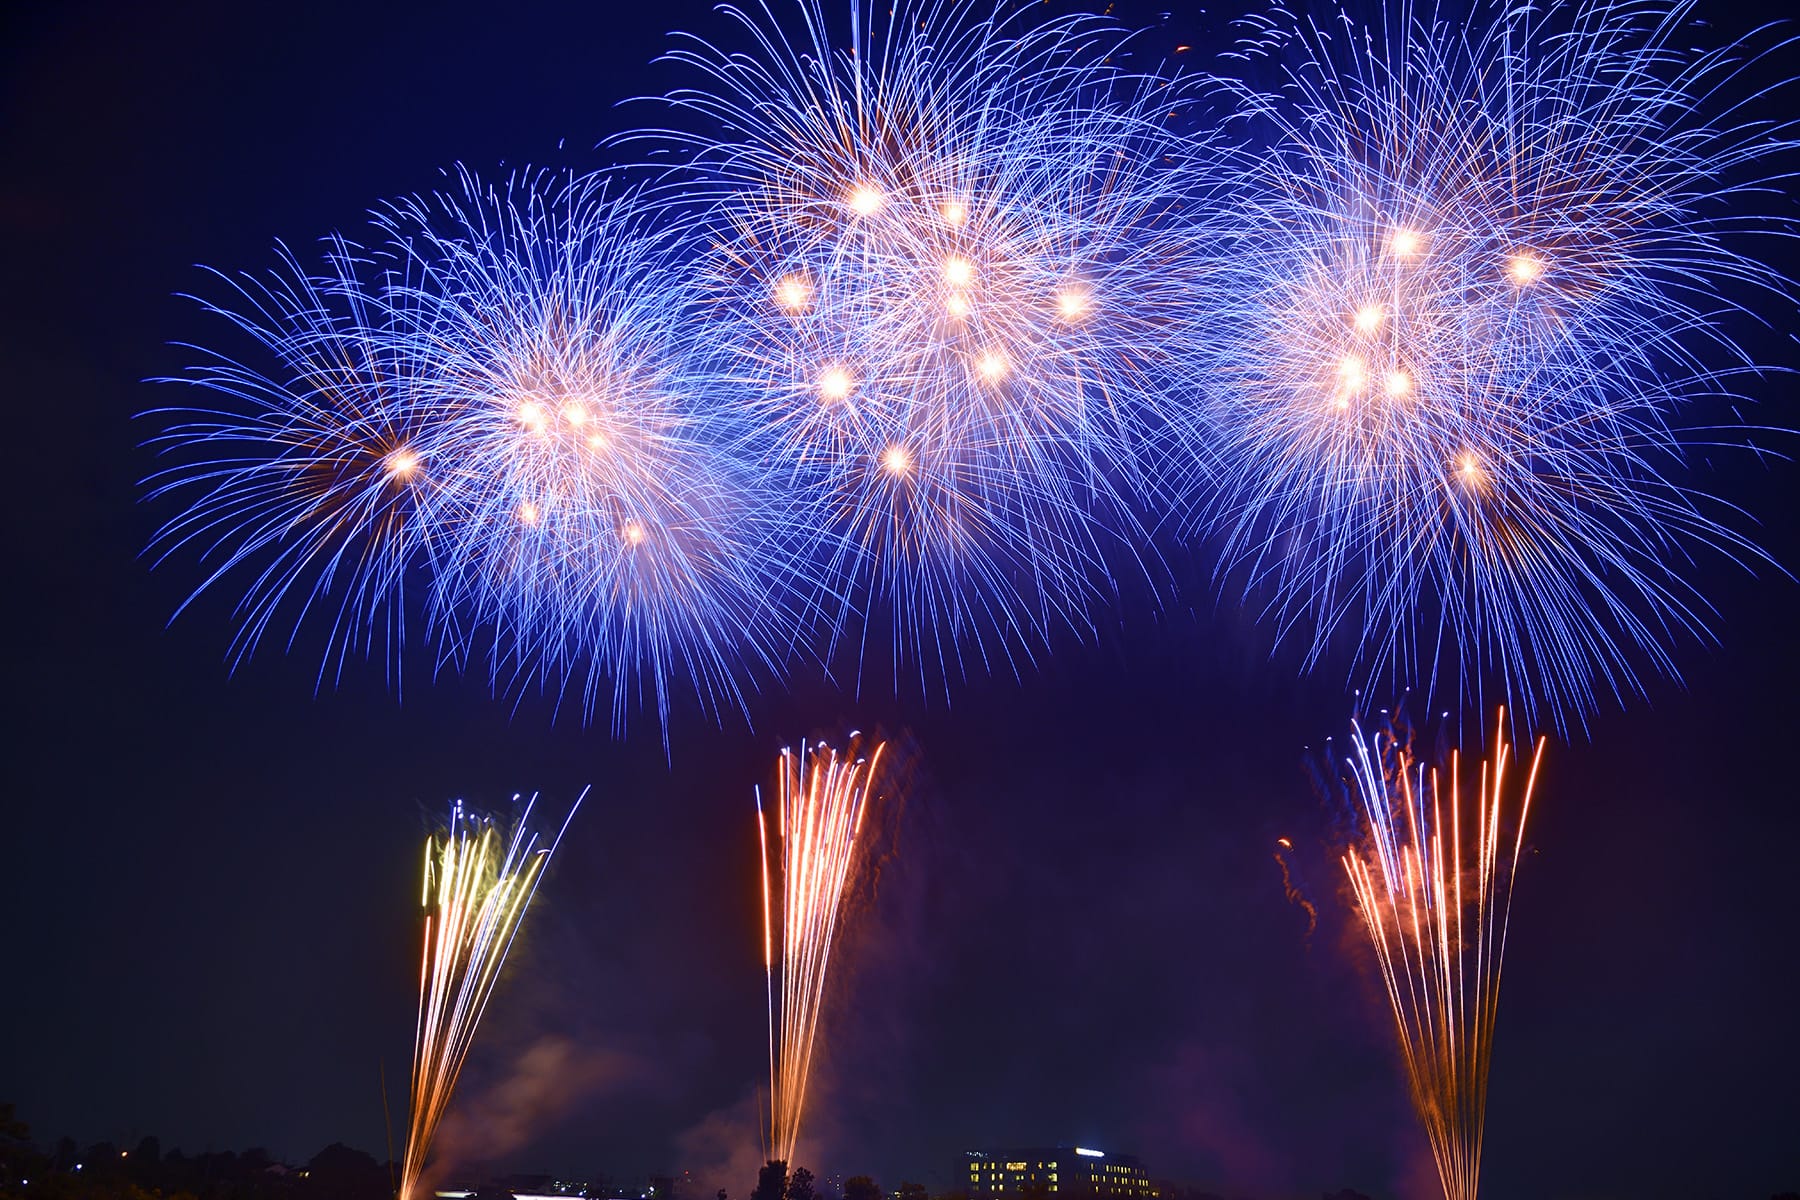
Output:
x,y
1081,933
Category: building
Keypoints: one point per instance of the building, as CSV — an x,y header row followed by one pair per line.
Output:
x,y
1079,1172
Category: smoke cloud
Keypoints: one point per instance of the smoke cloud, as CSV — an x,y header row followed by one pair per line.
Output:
x,y
543,1083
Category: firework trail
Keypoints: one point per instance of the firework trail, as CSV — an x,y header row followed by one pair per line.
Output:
x,y
1434,890
1480,267
819,811
475,894
1292,890
943,279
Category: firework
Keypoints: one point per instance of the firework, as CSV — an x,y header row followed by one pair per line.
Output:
x,y
1434,889
1291,889
490,401
1479,270
475,895
943,276
585,524
818,813
295,480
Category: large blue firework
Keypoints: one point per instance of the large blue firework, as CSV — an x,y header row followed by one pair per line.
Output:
x,y
1480,269
586,528
500,406
944,284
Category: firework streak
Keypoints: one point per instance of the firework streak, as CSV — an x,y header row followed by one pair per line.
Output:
x,y
475,895
818,814
1437,918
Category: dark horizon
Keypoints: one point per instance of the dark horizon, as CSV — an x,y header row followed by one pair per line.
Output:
x,y
1079,931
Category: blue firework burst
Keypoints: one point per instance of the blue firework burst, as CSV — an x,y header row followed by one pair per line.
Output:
x,y
943,276
586,530
1478,272
493,399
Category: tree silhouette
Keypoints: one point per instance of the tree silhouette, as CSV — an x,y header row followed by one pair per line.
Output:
x,y
339,1171
18,1157
771,1181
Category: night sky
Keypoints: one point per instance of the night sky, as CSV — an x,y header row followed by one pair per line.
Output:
x,y
1079,931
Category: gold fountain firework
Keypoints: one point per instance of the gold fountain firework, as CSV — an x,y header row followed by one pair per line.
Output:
x,y
822,798
475,895
1436,912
